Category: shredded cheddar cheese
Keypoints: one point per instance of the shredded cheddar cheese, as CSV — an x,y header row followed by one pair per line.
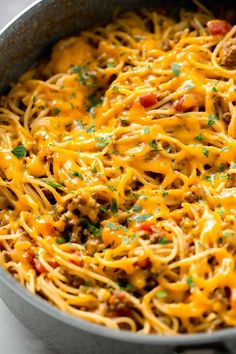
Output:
x,y
118,175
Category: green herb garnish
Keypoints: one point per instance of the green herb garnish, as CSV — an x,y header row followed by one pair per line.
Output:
x,y
222,167
111,187
136,208
153,144
116,89
114,207
190,282
146,130
101,141
175,68
143,217
211,120
19,151
92,228
77,174
163,241
199,137
56,111
191,86
51,184
161,294
112,226
205,151
60,240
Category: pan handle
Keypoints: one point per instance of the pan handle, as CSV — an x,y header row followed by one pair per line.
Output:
x,y
218,348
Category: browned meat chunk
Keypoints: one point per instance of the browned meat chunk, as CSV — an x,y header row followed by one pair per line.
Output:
x,y
226,117
229,53
118,301
86,205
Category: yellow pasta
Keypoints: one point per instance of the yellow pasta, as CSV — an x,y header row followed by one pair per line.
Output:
x,y
117,175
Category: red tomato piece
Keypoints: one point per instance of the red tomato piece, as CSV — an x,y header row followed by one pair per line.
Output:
x,y
29,257
146,226
39,267
218,27
78,262
186,103
53,264
148,100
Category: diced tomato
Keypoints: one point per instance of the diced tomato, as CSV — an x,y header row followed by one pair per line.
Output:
x,y
148,100
146,226
79,262
218,27
29,257
39,267
186,102
144,263
53,264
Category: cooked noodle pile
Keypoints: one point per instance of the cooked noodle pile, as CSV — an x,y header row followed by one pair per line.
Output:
x,y
118,175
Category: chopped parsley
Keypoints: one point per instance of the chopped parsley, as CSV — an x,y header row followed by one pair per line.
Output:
x,y
208,178
143,217
146,130
51,184
161,294
227,233
76,69
214,89
111,65
60,240
94,101
136,208
94,170
163,241
102,141
191,86
77,174
125,240
116,89
190,282
222,167
56,111
211,120
84,76
19,151
199,137
112,226
175,68
219,210
92,228
91,129
153,144
114,206
103,209
205,151
111,187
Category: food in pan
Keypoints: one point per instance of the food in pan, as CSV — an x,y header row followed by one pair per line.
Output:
x,y
117,174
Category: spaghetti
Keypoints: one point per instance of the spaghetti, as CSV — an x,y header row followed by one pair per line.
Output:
x,y
118,175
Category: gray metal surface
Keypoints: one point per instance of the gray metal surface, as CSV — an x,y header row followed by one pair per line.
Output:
x,y
21,45
11,8
23,341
